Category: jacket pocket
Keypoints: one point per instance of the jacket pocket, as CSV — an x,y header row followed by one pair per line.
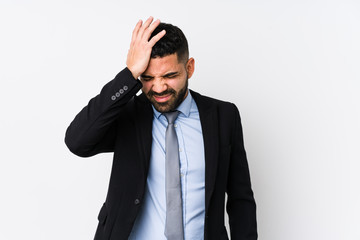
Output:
x,y
102,214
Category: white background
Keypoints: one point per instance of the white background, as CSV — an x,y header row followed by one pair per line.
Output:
x,y
291,67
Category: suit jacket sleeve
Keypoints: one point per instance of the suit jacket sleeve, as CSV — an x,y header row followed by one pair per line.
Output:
x,y
93,129
241,205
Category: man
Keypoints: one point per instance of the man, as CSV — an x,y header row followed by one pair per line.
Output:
x,y
176,152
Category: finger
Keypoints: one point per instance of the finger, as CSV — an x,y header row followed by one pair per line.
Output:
x,y
136,31
150,29
148,22
156,38
145,26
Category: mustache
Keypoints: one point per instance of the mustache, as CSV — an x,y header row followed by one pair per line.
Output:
x,y
166,92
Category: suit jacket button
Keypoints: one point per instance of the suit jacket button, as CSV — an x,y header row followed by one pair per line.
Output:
x,y
125,88
113,98
137,201
117,94
121,91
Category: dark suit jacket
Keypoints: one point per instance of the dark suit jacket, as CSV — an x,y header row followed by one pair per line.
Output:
x,y
118,121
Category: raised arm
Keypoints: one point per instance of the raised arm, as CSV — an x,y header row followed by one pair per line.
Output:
x,y
93,129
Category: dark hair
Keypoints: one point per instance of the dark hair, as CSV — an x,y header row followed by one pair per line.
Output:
x,y
174,41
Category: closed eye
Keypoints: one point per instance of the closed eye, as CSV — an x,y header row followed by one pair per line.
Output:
x,y
146,78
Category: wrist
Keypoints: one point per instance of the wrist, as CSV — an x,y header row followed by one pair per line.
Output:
x,y
135,74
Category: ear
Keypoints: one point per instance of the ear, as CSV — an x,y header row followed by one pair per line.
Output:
x,y
190,67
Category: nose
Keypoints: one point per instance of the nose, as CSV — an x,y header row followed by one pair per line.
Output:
x,y
159,85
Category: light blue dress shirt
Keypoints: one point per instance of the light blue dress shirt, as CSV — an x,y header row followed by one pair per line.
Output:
x,y
150,223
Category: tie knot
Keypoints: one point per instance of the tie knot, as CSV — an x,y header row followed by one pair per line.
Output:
x,y
171,116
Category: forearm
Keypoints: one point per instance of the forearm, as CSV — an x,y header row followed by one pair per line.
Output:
x,y
90,131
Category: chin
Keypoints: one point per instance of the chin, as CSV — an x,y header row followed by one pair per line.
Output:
x,y
163,108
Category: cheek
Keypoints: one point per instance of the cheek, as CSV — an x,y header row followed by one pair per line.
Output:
x,y
177,84
146,87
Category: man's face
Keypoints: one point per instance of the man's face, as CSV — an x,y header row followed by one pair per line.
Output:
x,y
165,81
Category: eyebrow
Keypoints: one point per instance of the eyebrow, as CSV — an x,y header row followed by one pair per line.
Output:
x,y
145,76
170,74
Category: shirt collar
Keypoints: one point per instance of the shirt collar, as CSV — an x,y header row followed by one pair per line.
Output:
x,y
183,108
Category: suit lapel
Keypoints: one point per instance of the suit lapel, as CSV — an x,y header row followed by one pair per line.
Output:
x,y
210,130
143,123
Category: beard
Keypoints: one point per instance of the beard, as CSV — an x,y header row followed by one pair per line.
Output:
x,y
174,101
